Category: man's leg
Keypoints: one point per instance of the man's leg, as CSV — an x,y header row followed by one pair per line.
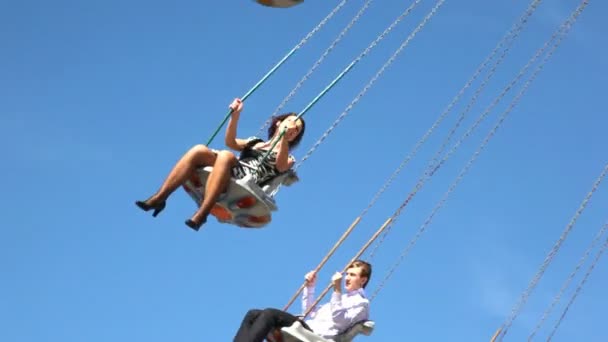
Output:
x,y
243,333
264,323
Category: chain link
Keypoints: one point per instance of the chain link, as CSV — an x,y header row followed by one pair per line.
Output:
x,y
322,23
377,75
507,40
524,297
566,284
578,289
462,173
315,65
428,174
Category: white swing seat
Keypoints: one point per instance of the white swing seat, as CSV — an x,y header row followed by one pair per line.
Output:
x,y
244,203
297,333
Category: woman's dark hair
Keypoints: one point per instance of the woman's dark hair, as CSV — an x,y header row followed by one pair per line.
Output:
x,y
279,118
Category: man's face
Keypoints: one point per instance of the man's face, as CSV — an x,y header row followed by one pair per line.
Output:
x,y
353,280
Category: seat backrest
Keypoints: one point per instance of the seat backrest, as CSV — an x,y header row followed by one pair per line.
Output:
x,y
364,327
297,333
271,187
287,178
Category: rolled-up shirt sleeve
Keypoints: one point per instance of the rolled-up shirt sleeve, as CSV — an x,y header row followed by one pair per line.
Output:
x,y
308,296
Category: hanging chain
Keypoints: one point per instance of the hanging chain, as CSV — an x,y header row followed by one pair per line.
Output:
x,y
353,225
316,65
434,168
388,222
566,284
524,297
462,173
322,23
508,40
377,75
578,289
275,68
447,110
345,71
551,255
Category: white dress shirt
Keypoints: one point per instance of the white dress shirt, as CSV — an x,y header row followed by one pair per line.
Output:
x,y
342,311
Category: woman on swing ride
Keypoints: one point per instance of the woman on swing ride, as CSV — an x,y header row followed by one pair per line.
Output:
x,y
225,164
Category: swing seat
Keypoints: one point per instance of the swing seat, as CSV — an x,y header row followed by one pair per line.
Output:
x,y
297,333
244,203
279,3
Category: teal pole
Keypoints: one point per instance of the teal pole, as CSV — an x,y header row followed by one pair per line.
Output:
x,y
312,103
254,88
324,91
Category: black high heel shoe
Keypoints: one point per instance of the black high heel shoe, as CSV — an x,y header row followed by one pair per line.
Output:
x,y
196,226
158,207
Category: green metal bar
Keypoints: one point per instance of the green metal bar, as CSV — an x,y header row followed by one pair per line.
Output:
x,y
313,102
273,146
254,88
324,91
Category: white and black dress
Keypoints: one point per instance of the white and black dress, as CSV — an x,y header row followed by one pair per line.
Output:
x,y
250,163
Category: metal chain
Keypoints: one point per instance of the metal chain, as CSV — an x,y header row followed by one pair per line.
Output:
x,y
275,68
524,297
428,174
552,253
508,39
378,74
462,173
389,61
316,65
447,110
566,284
578,289
511,35
322,23
550,256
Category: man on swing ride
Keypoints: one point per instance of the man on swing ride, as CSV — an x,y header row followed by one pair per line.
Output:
x,y
225,164
328,320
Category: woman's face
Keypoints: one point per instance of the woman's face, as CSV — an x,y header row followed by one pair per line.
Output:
x,y
293,126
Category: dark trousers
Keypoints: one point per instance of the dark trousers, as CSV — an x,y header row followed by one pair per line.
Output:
x,y
258,323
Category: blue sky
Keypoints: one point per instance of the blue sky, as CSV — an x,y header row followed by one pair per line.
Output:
x,y
99,99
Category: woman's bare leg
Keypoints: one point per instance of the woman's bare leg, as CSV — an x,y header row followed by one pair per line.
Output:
x,y
216,184
197,156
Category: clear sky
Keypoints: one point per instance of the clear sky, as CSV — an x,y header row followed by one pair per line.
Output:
x,y
98,99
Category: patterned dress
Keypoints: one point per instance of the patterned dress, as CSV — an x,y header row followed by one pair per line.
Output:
x,y
250,163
